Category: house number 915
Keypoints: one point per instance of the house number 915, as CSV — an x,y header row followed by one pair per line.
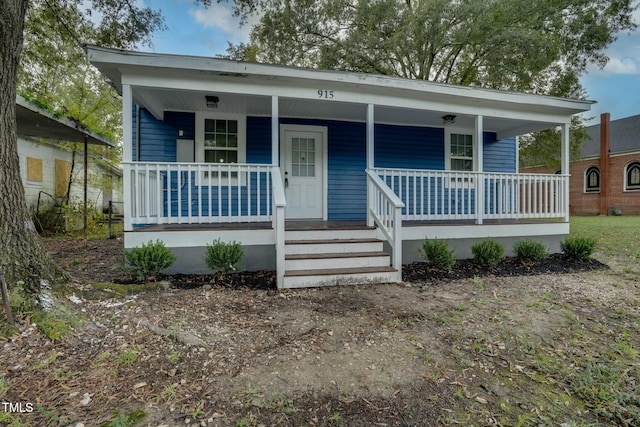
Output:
x,y
326,94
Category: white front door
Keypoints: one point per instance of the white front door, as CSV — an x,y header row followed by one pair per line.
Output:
x,y
303,170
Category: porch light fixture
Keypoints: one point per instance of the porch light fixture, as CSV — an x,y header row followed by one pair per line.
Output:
x,y
212,101
448,119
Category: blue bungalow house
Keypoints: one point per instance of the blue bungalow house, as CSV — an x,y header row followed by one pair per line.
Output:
x,y
326,177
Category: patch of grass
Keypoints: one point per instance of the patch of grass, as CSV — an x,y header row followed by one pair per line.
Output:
x,y
53,325
11,420
454,318
169,392
54,419
4,386
174,357
47,361
615,235
403,321
125,419
128,356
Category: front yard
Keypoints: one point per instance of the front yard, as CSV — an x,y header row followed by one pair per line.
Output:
x,y
547,349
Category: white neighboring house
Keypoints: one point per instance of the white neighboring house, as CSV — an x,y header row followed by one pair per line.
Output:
x,y
46,165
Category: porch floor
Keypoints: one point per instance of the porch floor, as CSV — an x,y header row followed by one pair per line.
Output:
x,y
291,225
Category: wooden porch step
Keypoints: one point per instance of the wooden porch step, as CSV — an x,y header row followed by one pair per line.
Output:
x,y
322,242
329,246
323,260
340,271
339,276
335,255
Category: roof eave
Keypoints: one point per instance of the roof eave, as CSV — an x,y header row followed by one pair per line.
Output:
x,y
109,61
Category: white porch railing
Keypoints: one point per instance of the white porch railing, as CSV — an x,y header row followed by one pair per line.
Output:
x,y
448,195
385,209
194,193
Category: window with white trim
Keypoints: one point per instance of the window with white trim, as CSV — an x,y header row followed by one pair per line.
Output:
x,y
632,176
221,139
460,152
592,179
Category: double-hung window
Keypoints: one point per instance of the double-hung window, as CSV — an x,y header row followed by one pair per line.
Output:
x,y
459,152
220,139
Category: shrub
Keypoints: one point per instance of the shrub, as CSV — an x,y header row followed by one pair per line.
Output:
x,y
149,259
530,251
488,253
224,257
437,253
578,247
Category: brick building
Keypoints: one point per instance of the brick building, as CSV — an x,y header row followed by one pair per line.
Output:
x,y
606,178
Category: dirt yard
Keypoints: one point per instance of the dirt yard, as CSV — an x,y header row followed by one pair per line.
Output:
x,y
486,349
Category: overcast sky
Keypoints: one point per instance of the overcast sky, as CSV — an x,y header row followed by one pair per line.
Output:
x,y
194,30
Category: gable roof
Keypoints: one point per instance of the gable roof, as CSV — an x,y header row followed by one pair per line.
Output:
x,y
625,137
33,120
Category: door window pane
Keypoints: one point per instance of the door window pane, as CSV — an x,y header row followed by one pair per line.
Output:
x,y
303,157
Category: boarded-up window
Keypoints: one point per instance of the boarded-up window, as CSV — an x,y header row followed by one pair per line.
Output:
x,y
63,170
34,169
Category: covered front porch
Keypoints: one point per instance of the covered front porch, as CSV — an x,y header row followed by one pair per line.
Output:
x,y
247,203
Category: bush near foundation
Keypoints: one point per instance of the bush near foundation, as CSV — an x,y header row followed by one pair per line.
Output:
x,y
488,253
437,253
530,251
578,247
224,257
148,260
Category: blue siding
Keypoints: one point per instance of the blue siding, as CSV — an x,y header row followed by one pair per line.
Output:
x,y
158,138
248,195
499,156
259,140
409,147
395,147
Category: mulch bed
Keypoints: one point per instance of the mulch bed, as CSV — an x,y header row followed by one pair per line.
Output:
x,y
418,272
101,261
467,269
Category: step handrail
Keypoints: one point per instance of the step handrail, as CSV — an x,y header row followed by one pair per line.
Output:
x,y
279,206
385,208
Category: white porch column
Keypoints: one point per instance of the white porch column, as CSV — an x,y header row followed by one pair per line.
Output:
x,y
370,155
564,161
127,153
479,167
275,131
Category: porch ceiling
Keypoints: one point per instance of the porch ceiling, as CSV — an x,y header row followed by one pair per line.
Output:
x,y
160,100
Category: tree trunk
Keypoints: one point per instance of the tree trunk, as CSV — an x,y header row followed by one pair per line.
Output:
x,y
22,254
